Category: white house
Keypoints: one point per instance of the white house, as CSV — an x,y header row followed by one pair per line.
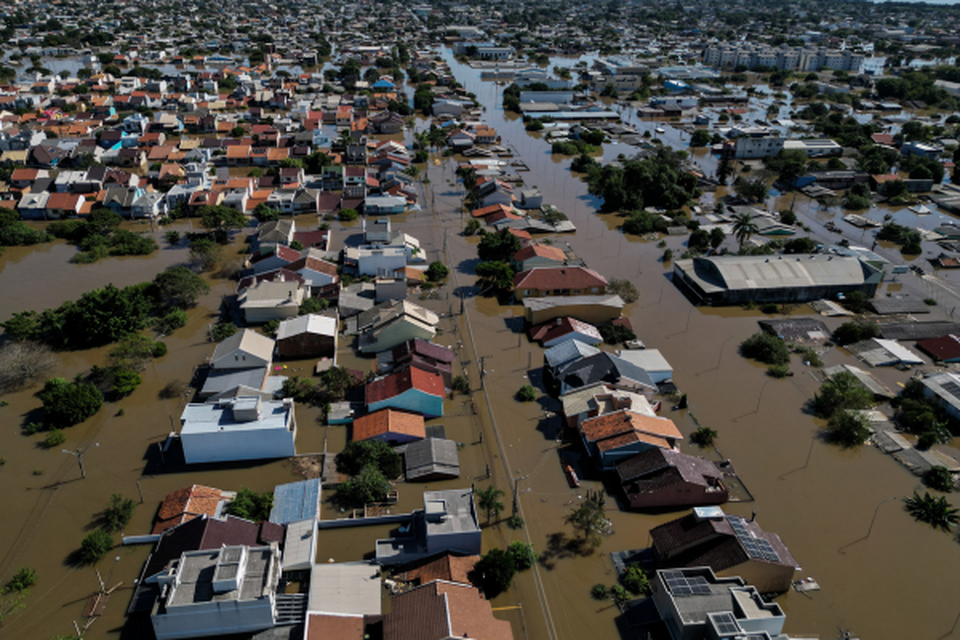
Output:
x,y
266,301
243,350
238,429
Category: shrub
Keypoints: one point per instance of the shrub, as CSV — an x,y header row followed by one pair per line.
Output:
x,y
55,438
21,581
172,321
437,272
251,505
368,486
615,333
703,437
599,592
118,513
625,289
619,593
460,384
523,555
95,545
68,403
635,580
515,522
222,331
24,362
526,393
848,428
348,215
159,349
359,454
472,228
313,305
778,370
765,348
939,479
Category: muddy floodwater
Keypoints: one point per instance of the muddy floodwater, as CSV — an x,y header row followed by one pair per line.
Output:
x,y
901,581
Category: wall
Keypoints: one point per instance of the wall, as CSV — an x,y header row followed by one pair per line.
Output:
x,y
224,446
307,345
214,619
684,494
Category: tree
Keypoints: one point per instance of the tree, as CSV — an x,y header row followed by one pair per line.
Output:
x,y
848,428
589,519
21,363
205,253
222,331
496,276
751,190
635,580
717,236
743,228
21,580
855,331
766,348
488,499
220,220
526,393
68,403
939,478
699,240
370,485
359,454
251,505
95,545
133,352
498,247
180,287
522,554
703,437
348,215
313,305
700,138
118,513
493,573
437,272
933,510
841,391
788,164
800,245
336,381
264,213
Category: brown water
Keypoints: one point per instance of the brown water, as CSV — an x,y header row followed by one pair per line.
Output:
x,y
817,497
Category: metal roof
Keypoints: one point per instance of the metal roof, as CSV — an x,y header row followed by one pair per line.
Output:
x,y
345,587
761,272
430,456
296,501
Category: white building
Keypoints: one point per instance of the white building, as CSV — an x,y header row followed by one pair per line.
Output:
x,y
238,429
231,590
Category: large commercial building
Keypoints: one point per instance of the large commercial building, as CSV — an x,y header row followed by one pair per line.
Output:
x,y
728,280
784,57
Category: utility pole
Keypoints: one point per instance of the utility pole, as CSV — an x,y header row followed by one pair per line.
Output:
x,y
516,494
78,454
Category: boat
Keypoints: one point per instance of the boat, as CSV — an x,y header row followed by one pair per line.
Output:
x,y
572,478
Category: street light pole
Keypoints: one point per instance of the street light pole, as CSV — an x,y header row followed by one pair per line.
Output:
x,y
870,529
516,494
78,454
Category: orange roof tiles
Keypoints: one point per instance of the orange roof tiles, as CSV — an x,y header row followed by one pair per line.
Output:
x,y
389,422
186,504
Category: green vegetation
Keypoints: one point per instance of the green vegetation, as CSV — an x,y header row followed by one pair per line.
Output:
x,y
68,403
497,247
205,254
21,580
625,289
939,478
174,320
368,486
437,272
348,215
493,573
54,438
589,519
778,370
599,592
359,454
220,220
788,165
251,505
313,305
855,331
800,245
765,348
118,513
934,510
495,276
222,331
615,333
14,233
751,190
100,236
522,554
657,181
472,227
848,428
635,580
858,197
179,287
526,393
460,384
703,437
488,499
95,545
907,238
700,138
841,392
744,228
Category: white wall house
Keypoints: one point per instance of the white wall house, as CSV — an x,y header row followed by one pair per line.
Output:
x,y
238,429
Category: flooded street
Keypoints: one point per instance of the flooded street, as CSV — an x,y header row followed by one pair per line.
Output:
x,y
819,498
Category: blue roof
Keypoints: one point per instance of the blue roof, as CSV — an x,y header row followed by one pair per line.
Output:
x,y
295,501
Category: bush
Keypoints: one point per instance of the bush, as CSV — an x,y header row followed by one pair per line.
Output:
x,y
313,305
494,573
615,333
619,593
855,331
625,289
515,522
368,486
778,370
159,349
460,384
55,438
848,428
251,505
635,580
359,454
118,513
437,272
174,320
526,393
222,331
348,215
939,479
472,228
703,437
95,545
68,403
21,581
765,348
599,592
523,555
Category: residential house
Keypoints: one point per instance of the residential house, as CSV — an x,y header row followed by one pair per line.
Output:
x,y
537,255
22,178
120,199
395,324
696,604
420,353
651,361
550,334
729,545
232,590
531,199
149,205
608,368
431,459
243,350
558,281
272,257
381,205
188,503
565,353
412,389
63,205
244,428
389,425
596,310
266,301
440,610
611,437
33,206
276,232
315,271
308,336
296,501
495,191
944,390
600,399
447,522
658,478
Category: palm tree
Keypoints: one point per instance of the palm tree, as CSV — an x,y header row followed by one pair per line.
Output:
x,y
744,227
935,511
489,501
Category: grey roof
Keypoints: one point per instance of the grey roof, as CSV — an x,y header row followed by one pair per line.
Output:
x,y
247,340
450,511
197,570
866,379
221,380
907,304
312,323
603,367
568,351
345,587
717,273
797,329
547,302
431,456
204,418
296,501
918,330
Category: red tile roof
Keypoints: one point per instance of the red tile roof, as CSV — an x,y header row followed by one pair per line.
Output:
x,y
943,348
389,421
540,251
447,567
619,428
327,626
413,378
553,329
563,278
441,610
186,504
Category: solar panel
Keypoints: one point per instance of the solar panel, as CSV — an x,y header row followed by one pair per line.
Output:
x,y
952,388
680,585
756,548
726,624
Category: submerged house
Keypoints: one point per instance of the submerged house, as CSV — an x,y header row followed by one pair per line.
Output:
x,y
238,429
412,389
658,478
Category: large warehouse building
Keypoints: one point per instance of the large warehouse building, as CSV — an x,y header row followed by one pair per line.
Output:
x,y
728,280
